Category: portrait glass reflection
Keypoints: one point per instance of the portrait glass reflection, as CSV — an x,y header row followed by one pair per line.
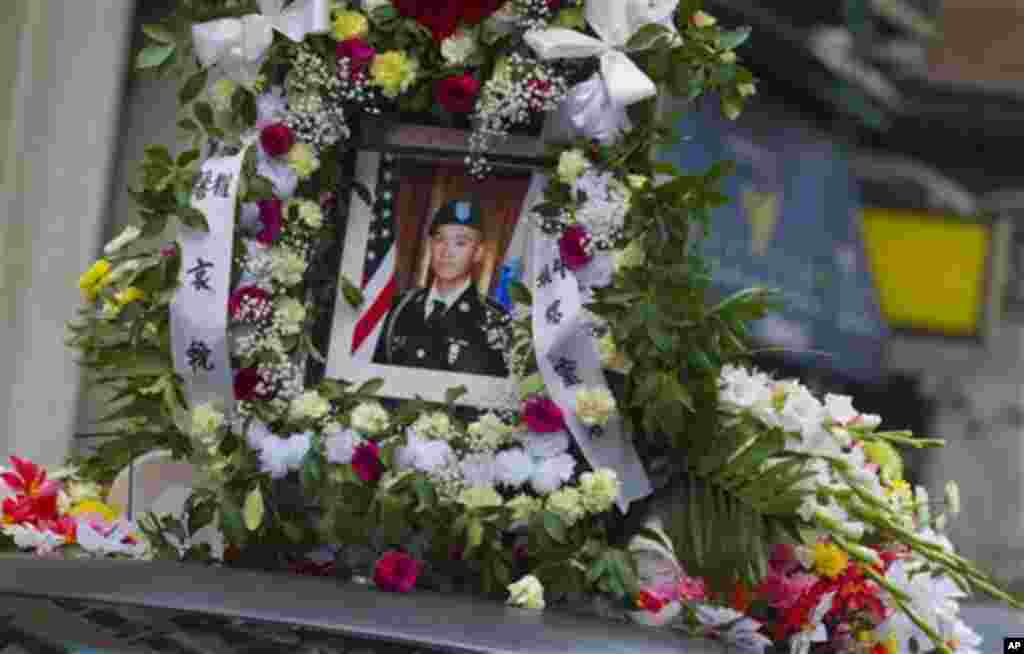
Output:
x,y
441,253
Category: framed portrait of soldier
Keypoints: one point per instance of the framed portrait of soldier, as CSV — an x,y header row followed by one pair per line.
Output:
x,y
434,258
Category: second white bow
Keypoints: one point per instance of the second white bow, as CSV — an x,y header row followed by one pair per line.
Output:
x,y
615,22
237,45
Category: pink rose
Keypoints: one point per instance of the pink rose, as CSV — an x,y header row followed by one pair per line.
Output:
x,y
572,247
457,93
357,51
277,139
543,416
396,572
366,462
272,217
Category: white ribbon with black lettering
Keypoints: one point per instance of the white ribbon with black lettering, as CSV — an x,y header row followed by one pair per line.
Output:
x,y
199,318
569,360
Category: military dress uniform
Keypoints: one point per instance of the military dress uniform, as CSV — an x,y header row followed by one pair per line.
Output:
x,y
468,336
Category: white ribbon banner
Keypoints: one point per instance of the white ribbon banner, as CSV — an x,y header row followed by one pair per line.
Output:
x,y
569,360
237,45
199,316
615,22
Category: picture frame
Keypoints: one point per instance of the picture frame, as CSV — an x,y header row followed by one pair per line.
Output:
x,y
414,174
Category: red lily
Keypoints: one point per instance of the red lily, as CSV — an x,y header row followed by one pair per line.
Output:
x,y
29,479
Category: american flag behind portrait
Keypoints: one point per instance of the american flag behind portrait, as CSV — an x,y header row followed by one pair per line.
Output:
x,y
379,283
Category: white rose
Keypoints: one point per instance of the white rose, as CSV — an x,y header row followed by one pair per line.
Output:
x,y
514,467
289,315
424,455
127,236
571,165
309,404
206,420
279,456
479,470
527,592
341,447
551,473
370,418
459,47
594,406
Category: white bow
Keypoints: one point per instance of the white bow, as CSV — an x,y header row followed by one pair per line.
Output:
x,y
614,21
237,45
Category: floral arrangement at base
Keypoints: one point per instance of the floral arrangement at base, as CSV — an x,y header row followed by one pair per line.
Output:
x,y
742,508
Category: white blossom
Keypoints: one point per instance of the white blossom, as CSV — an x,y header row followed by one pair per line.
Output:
x,y
459,47
528,593
370,418
514,467
551,473
341,446
424,454
279,456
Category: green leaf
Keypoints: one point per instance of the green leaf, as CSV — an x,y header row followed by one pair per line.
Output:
x,y
734,39
648,36
352,293
204,114
193,87
201,514
243,105
231,521
158,33
370,387
453,394
153,56
555,527
520,294
188,125
194,218
158,155
571,18
184,159
474,534
253,511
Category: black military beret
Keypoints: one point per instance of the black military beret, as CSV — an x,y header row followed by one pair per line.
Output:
x,y
458,212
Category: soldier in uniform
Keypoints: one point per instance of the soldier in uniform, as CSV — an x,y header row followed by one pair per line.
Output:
x,y
448,326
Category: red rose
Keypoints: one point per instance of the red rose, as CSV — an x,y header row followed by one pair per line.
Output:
x,y
277,139
442,17
458,93
358,51
572,246
543,416
248,302
251,384
366,462
396,572
272,217
650,602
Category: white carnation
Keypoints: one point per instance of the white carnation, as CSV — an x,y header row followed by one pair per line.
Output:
x,y
310,404
571,165
279,456
459,47
287,266
370,418
594,406
551,473
514,467
425,455
289,314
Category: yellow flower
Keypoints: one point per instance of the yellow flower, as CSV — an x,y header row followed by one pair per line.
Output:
x,y
303,160
94,279
129,295
90,507
829,560
899,489
393,71
349,25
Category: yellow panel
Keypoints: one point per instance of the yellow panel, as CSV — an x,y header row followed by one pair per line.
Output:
x,y
930,269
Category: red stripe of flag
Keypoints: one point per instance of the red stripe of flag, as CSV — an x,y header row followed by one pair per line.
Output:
x,y
374,314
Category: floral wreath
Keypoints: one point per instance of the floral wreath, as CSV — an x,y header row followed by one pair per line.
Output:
x,y
776,517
